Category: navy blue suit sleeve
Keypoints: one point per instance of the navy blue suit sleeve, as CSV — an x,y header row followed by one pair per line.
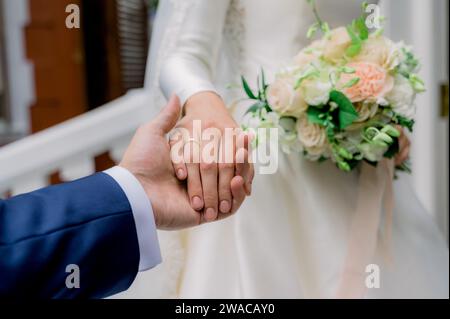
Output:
x,y
87,222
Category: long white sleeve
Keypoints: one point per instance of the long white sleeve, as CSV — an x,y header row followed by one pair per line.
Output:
x,y
189,69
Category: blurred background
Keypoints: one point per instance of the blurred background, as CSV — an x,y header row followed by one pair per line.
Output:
x,y
70,99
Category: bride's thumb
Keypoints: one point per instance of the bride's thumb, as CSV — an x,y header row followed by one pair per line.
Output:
x,y
169,115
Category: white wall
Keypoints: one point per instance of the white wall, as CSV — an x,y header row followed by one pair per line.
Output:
x,y
19,71
421,24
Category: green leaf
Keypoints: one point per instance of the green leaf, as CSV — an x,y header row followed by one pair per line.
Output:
x,y
404,167
390,130
312,30
247,89
405,122
353,50
356,45
353,36
316,115
254,108
264,85
344,166
352,82
393,149
417,83
347,70
347,112
310,72
325,27
330,134
263,78
374,164
360,26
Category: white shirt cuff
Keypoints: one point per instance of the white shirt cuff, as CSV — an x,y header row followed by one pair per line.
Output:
x,y
150,253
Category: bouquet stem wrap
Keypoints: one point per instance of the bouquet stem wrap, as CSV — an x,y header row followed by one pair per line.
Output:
x,y
375,194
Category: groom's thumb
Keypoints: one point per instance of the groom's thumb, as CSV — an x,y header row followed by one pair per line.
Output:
x,y
168,117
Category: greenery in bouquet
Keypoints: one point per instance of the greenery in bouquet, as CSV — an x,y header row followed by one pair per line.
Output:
x,y
342,98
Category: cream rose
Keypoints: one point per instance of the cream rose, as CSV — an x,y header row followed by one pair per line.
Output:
x,y
316,91
381,51
312,137
284,99
309,54
366,110
401,97
335,46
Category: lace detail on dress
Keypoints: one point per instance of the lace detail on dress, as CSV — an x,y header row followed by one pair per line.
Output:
x,y
234,29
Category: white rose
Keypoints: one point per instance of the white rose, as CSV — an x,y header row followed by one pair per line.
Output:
x,y
309,54
366,110
316,91
336,45
284,99
312,137
401,97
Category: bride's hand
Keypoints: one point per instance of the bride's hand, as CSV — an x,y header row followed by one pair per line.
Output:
x,y
404,146
208,182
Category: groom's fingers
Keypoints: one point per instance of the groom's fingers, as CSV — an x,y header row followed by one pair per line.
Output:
x,y
177,155
209,172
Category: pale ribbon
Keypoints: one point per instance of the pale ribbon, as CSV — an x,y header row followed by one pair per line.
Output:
x,y
375,192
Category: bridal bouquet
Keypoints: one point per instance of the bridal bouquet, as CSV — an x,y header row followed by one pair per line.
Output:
x,y
342,97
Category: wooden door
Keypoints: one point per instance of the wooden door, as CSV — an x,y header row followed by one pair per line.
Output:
x,y
57,55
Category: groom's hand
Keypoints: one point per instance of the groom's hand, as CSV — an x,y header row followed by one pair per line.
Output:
x,y
148,158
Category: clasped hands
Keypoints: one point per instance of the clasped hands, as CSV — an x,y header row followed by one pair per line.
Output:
x,y
186,190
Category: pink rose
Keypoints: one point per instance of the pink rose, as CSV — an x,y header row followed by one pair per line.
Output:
x,y
374,82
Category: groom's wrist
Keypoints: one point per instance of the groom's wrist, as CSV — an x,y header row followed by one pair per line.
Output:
x,y
137,194
151,192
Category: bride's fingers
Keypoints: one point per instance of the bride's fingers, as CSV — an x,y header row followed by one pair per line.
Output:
x,y
244,169
208,172
194,186
226,174
241,163
238,192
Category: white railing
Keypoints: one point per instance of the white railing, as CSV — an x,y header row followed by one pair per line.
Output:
x,y
70,147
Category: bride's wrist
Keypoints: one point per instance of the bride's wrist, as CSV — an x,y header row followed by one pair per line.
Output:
x,y
204,102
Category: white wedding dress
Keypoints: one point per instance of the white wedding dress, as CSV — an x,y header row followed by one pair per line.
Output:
x,y
290,238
